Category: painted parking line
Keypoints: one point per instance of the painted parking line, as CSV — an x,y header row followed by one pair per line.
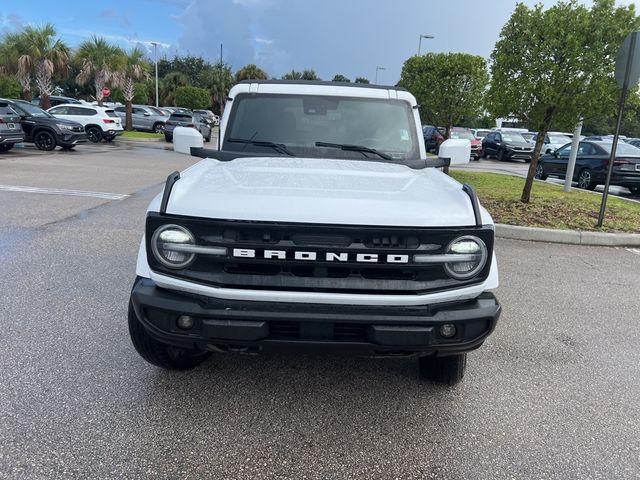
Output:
x,y
61,191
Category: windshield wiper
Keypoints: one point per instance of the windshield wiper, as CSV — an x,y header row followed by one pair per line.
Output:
x,y
354,148
278,147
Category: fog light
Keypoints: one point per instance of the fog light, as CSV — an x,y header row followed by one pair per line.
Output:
x,y
448,330
185,322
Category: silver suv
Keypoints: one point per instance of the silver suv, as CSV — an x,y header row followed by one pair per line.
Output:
x,y
192,120
144,118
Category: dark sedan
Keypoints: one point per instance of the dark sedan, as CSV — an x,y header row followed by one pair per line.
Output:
x,y
507,146
591,165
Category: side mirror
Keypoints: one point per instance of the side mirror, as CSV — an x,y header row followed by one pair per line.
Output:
x,y
555,154
458,151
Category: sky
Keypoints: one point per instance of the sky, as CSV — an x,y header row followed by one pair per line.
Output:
x,y
348,37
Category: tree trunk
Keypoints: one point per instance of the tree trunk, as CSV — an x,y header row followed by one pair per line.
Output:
x,y
44,70
45,102
128,125
26,94
542,133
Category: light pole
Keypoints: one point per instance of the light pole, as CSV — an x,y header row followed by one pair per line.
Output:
x,y
420,41
378,69
155,51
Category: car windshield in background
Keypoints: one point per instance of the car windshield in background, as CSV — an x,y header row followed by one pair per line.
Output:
x,y
157,111
513,137
622,149
299,121
460,135
559,139
33,110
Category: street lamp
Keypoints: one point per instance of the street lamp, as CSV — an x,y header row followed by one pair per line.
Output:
x,y
377,69
420,40
155,51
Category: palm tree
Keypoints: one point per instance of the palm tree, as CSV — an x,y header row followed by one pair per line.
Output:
x,y
251,72
39,52
135,69
102,62
170,83
219,81
292,75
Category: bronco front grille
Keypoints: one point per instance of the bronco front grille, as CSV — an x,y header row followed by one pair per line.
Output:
x,y
318,275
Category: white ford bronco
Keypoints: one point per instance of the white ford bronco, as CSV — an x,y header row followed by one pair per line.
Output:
x,y
320,223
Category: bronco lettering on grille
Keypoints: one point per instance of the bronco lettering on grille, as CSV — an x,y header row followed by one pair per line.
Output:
x,y
319,256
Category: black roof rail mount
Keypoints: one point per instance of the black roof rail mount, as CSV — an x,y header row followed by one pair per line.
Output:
x,y
171,180
468,189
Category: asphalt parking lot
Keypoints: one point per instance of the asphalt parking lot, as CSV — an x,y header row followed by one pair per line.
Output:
x,y
552,394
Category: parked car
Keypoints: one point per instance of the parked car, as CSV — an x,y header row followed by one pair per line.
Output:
x,y
552,142
45,130
176,110
213,118
507,145
55,100
480,133
465,133
634,141
591,165
193,120
99,122
10,127
143,118
432,138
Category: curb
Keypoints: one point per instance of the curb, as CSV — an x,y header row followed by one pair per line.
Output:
x,y
571,237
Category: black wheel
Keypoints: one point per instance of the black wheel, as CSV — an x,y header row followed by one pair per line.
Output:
x,y
634,190
540,172
585,179
160,354
5,147
168,138
45,141
449,370
500,156
158,128
94,134
484,153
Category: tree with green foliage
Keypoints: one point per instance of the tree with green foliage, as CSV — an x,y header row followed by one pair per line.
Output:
x,y
362,80
292,75
39,53
135,68
190,66
9,87
341,78
310,74
251,72
219,81
448,86
101,62
168,86
554,66
192,97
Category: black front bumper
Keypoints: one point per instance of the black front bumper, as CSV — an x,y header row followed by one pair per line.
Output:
x,y
368,330
68,139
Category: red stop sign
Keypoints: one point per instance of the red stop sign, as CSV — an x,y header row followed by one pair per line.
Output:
x,y
106,92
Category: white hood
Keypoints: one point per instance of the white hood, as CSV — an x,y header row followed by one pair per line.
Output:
x,y
327,191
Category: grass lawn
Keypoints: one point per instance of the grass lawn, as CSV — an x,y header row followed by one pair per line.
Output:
x,y
550,207
135,134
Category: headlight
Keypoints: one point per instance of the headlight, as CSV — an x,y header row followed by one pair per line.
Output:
x,y
472,257
63,126
173,246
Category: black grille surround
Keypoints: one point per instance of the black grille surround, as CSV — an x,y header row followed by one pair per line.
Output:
x,y
319,275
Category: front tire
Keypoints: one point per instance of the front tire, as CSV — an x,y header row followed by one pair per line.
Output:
x,y
158,128
45,141
540,172
160,354
94,134
168,138
585,180
500,156
448,370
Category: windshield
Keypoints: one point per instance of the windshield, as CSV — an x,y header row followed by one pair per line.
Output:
x,y
32,110
622,149
461,135
559,139
300,121
513,137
